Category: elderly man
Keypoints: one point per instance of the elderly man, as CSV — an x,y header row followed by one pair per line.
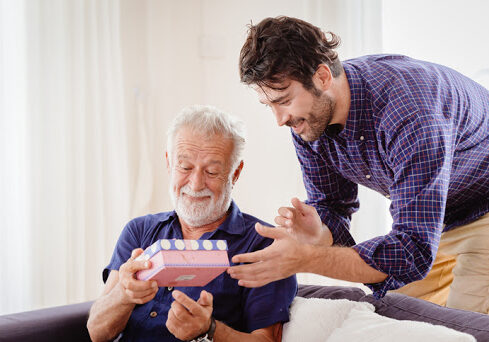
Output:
x,y
204,162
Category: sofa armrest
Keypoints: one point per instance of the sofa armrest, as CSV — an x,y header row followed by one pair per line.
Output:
x,y
61,323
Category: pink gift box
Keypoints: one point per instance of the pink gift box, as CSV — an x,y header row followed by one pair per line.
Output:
x,y
184,262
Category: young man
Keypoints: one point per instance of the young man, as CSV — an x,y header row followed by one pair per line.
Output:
x,y
204,162
416,132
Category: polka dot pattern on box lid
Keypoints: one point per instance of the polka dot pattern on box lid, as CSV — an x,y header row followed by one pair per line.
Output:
x,y
180,245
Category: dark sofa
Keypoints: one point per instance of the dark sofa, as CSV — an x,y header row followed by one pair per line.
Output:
x,y
68,323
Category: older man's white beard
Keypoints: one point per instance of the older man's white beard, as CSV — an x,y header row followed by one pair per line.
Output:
x,y
198,214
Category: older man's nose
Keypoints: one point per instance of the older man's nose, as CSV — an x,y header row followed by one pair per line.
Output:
x,y
197,181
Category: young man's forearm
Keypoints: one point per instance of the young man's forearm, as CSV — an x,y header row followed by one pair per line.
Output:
x,y
340,263
108,316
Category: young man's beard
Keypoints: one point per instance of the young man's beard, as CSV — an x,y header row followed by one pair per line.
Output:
x,y
319,117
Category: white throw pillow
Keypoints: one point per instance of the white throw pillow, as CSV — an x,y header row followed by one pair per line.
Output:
x,y
314,319
366,326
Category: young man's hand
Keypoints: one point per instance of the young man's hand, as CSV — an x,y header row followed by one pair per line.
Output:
x,y
303,223
283,258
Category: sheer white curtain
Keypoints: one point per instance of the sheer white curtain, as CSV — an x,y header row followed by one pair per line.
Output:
x,y
15,240
66,181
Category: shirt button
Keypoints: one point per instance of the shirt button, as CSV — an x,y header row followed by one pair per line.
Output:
x,y
170,288
153,314
362,137
368,176
388,196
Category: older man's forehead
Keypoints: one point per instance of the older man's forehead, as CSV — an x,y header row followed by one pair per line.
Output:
x,y
216,147
212,158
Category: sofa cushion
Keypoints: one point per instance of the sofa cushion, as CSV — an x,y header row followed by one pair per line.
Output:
x,y
399,306
330,292
402,307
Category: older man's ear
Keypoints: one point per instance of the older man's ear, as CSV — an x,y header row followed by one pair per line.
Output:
x,y
167,162
237,172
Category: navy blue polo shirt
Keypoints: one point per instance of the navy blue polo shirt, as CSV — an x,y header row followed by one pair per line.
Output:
x,y
243,309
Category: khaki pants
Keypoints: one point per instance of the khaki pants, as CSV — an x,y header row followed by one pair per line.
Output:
x,y
460,274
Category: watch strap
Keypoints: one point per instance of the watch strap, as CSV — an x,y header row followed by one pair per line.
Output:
x,y
208,336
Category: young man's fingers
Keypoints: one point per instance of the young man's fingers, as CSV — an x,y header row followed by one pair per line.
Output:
x,y
286,212
299,205
249,257
254,275
281,221
253,283
250,271
271,232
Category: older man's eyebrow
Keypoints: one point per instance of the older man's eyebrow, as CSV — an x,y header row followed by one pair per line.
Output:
x,y
212,161
218,162
183,156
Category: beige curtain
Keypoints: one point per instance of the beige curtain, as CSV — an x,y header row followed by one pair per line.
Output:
x,y
69,193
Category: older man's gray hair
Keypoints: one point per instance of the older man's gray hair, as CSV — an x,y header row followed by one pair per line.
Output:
x,y
209,120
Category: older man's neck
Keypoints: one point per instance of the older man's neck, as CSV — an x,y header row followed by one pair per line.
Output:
x,y
194,233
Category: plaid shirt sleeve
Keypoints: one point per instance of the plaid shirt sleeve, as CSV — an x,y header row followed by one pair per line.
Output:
x,y
419,148
334,197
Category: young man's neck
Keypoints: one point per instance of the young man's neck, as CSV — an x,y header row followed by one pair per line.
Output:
x,y
341,94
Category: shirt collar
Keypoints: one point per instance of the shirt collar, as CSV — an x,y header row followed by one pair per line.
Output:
x,y
356,116
234,223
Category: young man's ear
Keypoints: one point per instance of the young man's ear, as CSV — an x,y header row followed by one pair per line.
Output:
x,y
323,78
237,172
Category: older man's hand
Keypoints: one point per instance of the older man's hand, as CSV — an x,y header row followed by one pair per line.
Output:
x,y
135,291
187,318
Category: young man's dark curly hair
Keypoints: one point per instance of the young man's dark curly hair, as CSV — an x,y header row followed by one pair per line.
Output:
x,y
282,48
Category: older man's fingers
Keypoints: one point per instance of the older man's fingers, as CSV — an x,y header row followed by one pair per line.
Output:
x,y
192,306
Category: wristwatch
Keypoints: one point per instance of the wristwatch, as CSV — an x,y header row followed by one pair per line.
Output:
x,y
207,336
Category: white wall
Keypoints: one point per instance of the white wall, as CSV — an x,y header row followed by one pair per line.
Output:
x,y
449,32
192,50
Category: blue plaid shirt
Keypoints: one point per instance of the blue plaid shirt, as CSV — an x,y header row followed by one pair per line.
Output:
x,y
418,133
